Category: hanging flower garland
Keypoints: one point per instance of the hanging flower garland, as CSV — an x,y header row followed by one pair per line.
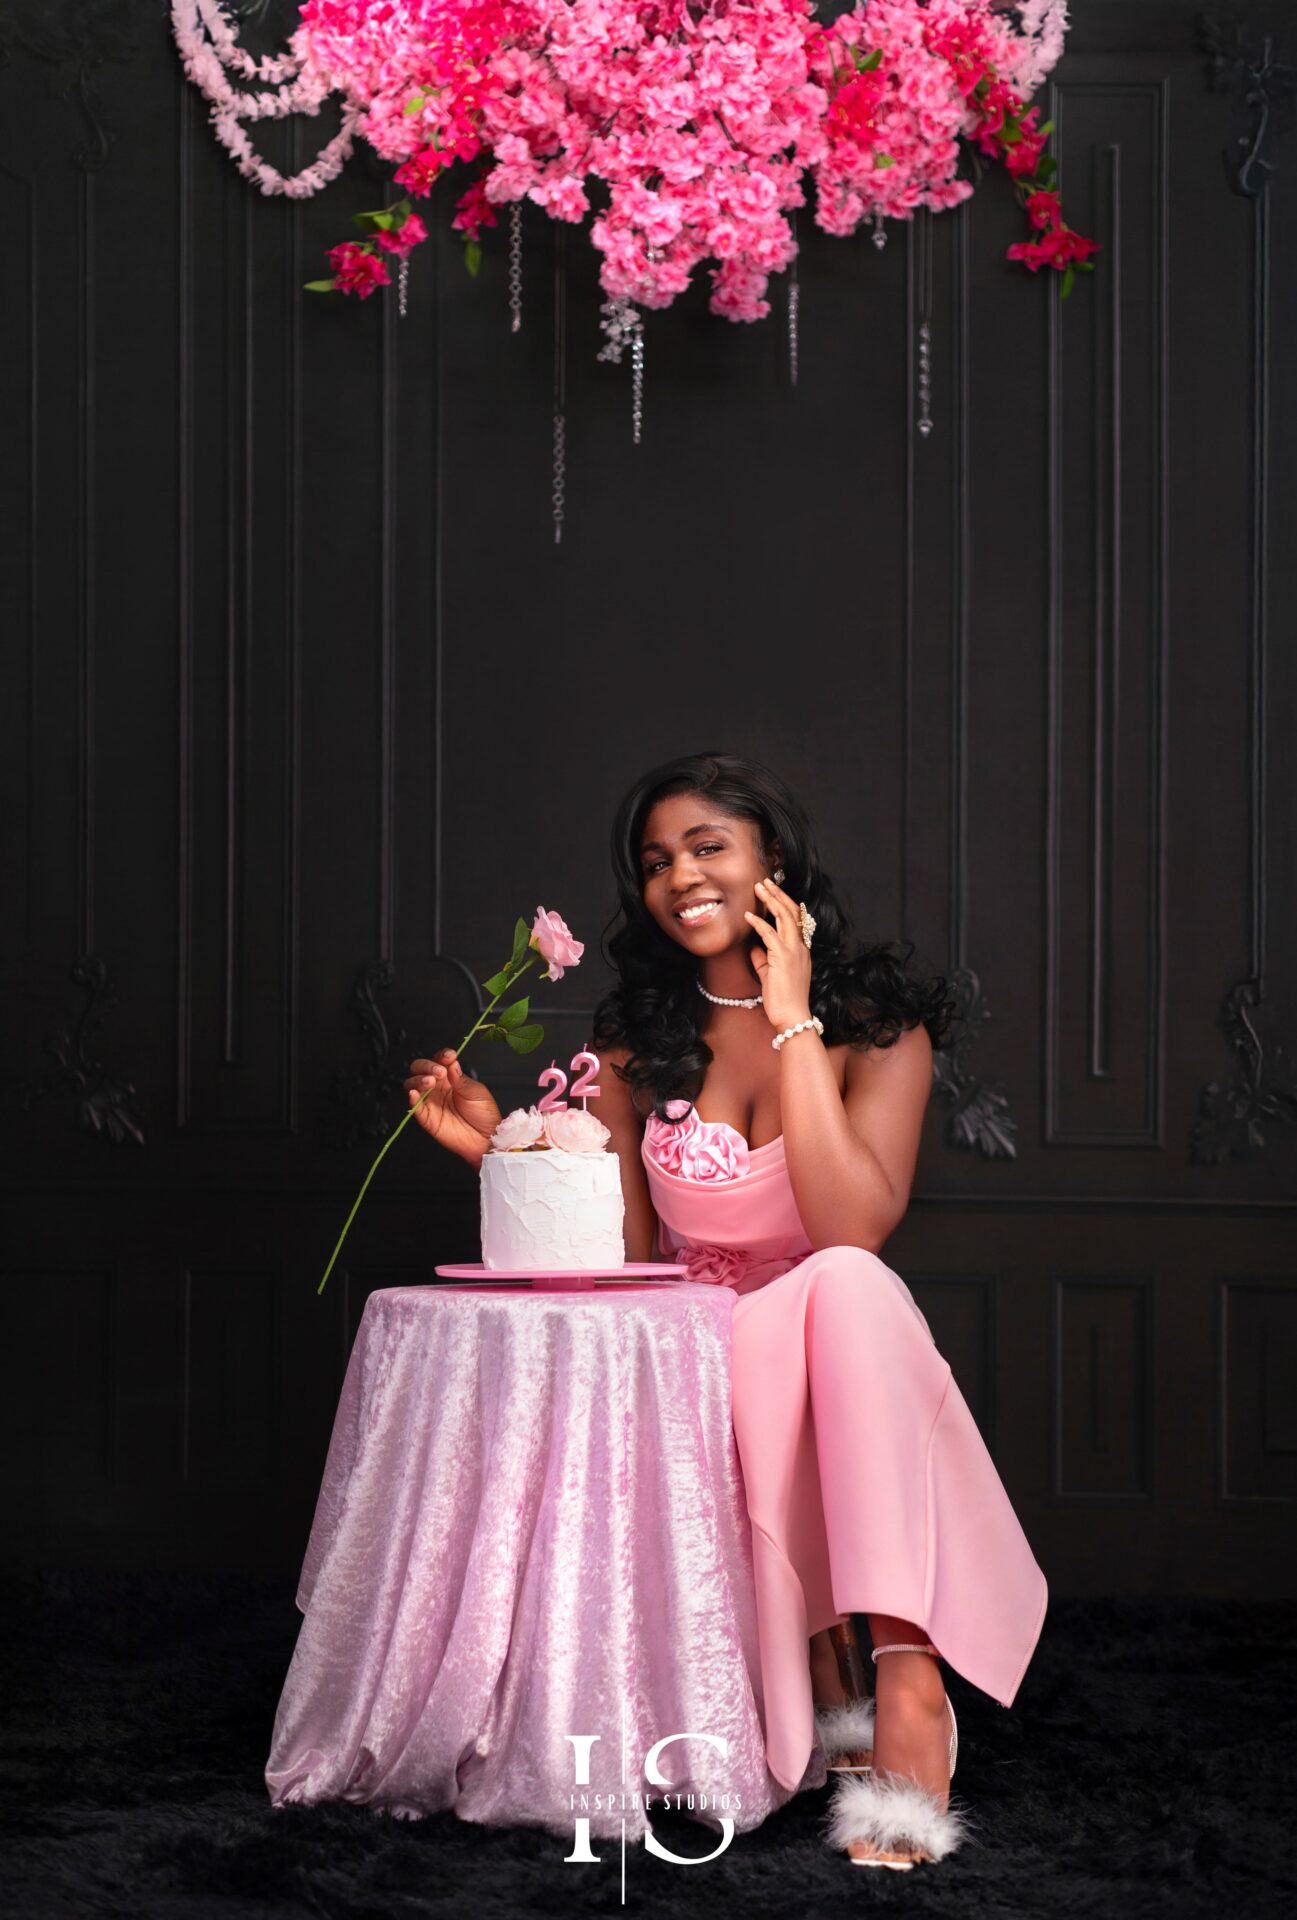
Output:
x,y
684,130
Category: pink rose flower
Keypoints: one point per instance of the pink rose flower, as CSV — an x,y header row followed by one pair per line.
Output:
x,y
713,1266
521,1128
665,1138
575,1130
551,934
713,1153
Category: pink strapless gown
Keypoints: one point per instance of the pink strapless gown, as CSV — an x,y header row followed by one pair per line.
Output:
x,y
869,1486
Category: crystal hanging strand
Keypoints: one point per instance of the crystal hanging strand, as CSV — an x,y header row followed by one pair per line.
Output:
x,y
515,266
637,380
794,303
924,237
560,381
622,326
879,235
403,284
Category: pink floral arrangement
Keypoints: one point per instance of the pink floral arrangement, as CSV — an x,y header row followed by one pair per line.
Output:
x,y
684,131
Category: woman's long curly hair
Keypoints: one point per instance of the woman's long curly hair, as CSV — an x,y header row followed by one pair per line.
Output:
x,y
865,995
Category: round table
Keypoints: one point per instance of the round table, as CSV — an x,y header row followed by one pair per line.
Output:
x,y
531,1560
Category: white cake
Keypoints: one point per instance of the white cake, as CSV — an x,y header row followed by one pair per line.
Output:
x,y
551,1193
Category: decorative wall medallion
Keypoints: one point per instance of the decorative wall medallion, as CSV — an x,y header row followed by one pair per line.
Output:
x,y
76,38
104,1106
1232,1118
980,1120
369,1097
1263,87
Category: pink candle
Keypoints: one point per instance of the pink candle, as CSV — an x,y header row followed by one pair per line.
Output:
x,y
551,1102
588,1063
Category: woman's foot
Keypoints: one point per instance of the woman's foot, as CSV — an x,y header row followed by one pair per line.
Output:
x,y
844,1708
911,1740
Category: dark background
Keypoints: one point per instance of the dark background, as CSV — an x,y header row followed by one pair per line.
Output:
x,y
302,705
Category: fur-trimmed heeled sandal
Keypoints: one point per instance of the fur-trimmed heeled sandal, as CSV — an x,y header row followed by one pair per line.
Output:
x,y
847,1735
884,1813
846,1731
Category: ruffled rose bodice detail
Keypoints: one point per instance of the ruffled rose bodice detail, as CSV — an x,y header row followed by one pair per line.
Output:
x,y
693,1148
726,1210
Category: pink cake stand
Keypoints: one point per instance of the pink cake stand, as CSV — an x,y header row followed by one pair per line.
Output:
x,y
565,1279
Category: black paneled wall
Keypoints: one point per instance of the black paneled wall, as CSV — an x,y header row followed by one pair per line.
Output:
x,y
303,704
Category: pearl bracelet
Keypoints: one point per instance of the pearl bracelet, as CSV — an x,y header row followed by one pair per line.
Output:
x,y
801,1026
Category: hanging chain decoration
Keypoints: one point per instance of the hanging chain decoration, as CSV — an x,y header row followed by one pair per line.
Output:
x,y
560,381
923,240
515,266
879,235
403,285
623,326
637,384
794,304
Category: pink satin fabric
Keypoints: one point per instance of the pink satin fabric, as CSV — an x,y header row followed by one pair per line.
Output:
x,y
531,1517
868,1485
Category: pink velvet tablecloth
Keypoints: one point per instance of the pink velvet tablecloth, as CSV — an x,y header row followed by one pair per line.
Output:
x,y
532,1524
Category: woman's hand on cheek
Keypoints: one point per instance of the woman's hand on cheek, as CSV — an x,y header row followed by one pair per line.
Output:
x,y
781,958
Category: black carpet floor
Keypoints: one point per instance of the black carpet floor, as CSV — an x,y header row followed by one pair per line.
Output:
x,y
1146,1767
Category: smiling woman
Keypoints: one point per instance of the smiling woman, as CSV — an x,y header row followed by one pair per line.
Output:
x,y
740,992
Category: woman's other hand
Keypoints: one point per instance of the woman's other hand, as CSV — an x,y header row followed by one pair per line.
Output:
x,y
458,1111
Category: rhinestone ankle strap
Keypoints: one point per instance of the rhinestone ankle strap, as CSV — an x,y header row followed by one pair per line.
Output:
x,y
905,1646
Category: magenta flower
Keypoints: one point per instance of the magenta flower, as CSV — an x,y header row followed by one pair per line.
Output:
x,y
356,269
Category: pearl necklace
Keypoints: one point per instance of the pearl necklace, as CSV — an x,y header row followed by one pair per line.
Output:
x,y
719,1000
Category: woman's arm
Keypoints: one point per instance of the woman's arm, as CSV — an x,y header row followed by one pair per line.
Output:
x,y
617,1111
851,1158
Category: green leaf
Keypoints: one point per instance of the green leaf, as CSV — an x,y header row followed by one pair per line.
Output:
x,y
1084,266
498,982
1069,280
884,160
318,286
525,1039
515,1015
472,257
415,105
1046,167
1047,128
521,940
493,1032
875,59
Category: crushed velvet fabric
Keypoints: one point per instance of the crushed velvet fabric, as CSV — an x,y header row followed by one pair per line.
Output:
x,y
531,1521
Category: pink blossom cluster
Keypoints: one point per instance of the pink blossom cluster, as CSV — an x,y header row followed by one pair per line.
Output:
x,y
683,129
901,78
417,71
697,121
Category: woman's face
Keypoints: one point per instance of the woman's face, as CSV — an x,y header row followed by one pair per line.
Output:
x,y
692,851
